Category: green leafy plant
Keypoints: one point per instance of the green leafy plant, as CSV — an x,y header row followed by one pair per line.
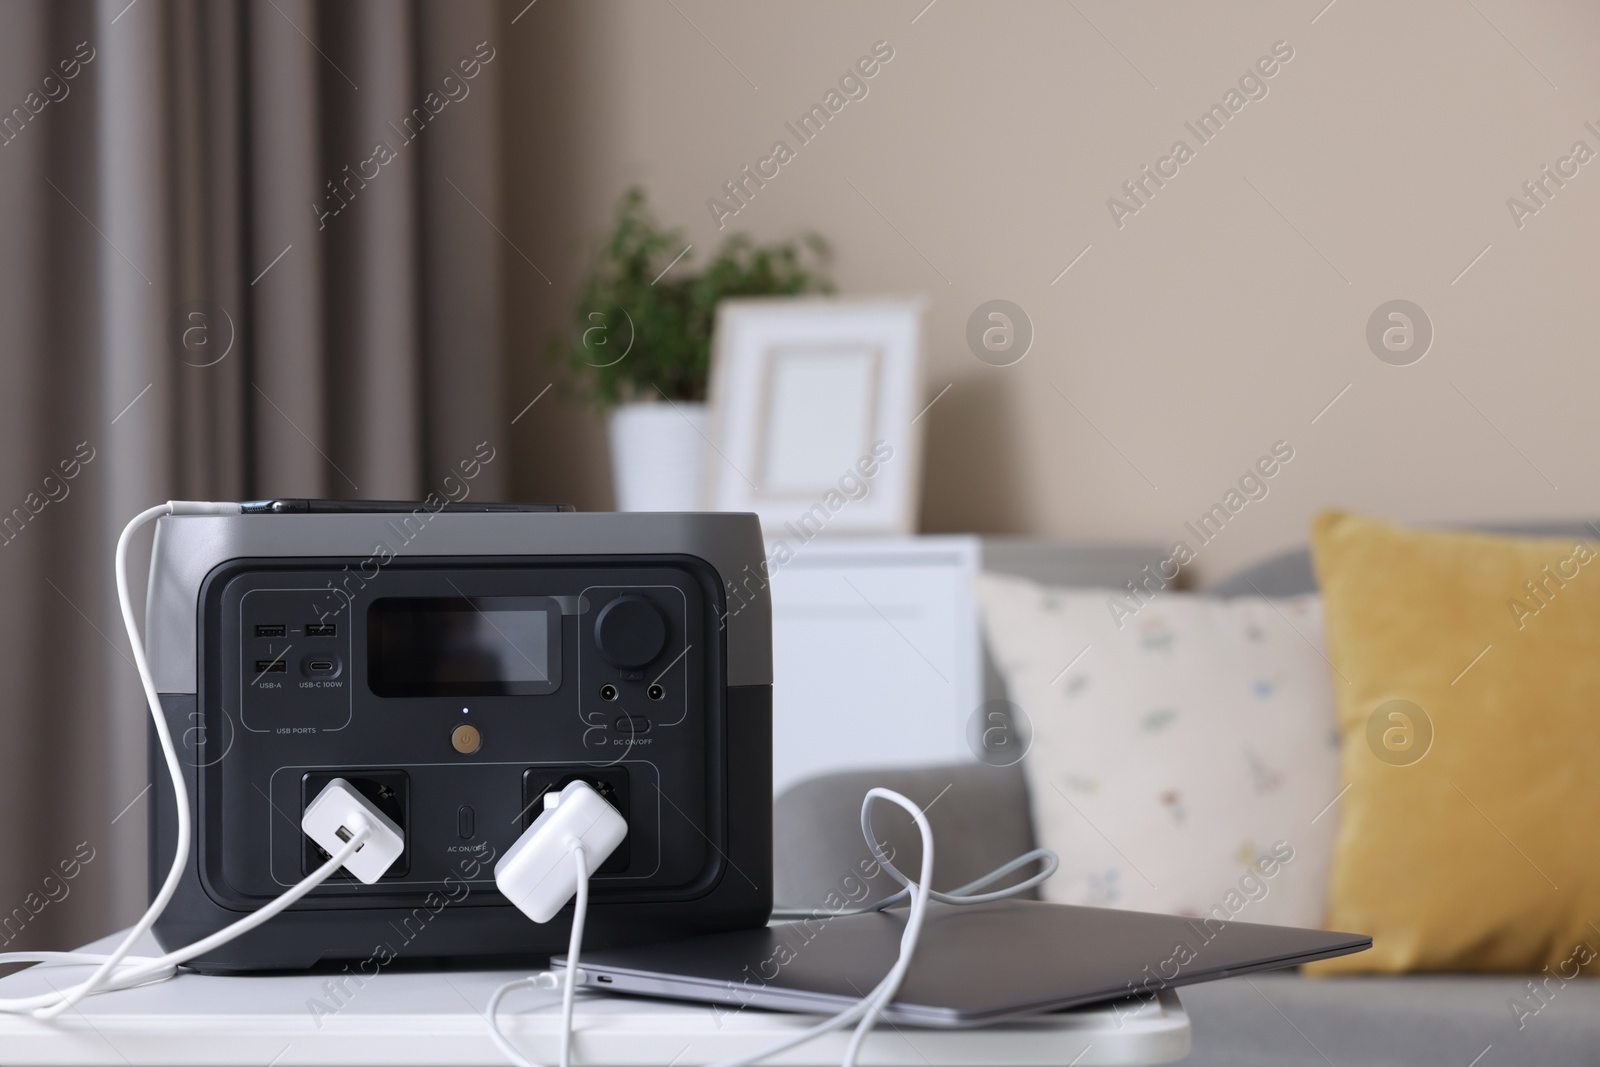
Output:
x,y
644,334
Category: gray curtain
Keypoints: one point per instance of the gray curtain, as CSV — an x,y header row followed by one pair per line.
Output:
x,y
214,283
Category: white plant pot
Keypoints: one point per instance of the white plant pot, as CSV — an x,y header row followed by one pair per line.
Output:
x,y
658,455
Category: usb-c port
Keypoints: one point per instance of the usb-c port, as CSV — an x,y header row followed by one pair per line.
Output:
x,y
276,629
320,666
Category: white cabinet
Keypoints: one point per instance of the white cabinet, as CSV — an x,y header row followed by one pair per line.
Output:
x,y
877,650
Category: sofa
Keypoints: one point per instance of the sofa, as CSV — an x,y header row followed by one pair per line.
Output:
x,y
980,817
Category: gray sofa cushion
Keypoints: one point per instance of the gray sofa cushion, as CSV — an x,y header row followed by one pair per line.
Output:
x,y
979,816
1289,573
1286,1020
980,820
1279,1019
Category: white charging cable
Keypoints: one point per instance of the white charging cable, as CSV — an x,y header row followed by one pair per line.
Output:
x,y
574,945
168,750
967,894
864,1014
120,970
547,979
138,970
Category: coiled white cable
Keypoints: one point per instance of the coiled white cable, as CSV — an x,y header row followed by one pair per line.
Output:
x,y
863,1014
966,894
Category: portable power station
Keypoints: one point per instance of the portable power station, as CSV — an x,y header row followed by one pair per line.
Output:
x,y
454,664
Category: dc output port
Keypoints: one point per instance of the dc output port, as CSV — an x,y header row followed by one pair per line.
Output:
x,y
655,692
608,692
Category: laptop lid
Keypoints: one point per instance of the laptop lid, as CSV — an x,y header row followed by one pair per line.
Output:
x,y
973,965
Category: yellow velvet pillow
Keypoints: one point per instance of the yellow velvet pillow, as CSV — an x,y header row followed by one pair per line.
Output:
x,y
1467,669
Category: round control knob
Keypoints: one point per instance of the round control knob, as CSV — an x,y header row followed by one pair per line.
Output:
x,y
630,632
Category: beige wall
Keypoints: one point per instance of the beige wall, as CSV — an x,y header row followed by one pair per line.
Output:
x,y
1222,317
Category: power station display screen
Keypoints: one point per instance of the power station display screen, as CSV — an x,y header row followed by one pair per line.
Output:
x,y
463,646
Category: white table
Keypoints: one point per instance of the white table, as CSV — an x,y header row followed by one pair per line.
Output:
x,y
435,1018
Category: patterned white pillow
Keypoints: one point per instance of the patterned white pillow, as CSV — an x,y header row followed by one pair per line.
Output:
x,y
1185,761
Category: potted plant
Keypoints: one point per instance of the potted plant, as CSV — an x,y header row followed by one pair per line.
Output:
x,y
641,344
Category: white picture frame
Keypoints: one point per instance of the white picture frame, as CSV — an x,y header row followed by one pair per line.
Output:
x,y
813,410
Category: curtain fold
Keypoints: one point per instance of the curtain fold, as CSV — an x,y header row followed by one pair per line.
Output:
x,y
181,315
288,369
373,274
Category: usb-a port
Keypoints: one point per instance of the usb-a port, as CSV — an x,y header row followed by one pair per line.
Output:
x,y
271,629
321,629
271,666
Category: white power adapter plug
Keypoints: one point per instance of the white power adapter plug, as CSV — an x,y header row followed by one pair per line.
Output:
x,y
335,816
537,873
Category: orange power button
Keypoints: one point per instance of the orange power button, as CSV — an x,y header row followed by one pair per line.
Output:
x,y
466,739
